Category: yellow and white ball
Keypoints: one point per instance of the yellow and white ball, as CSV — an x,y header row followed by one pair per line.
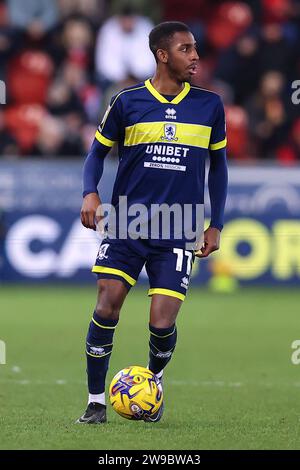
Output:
x,y
135,393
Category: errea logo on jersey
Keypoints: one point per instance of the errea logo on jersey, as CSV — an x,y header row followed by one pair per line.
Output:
x,y
170,113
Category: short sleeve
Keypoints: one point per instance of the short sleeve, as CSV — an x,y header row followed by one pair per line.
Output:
x,y
108,132
218,133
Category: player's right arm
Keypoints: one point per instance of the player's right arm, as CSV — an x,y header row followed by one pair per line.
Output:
x,y
92,172
106,136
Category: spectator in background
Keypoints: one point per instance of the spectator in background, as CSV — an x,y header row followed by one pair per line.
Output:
x,y
62,100
74,41
35,17
268,113
276,51
74,86
122,47
93,10
238,67
65,101
54,140
150,8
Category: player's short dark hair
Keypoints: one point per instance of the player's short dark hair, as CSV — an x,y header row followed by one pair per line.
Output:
x,y
161,35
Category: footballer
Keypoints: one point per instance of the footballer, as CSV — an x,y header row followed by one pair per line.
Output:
x,y
165,129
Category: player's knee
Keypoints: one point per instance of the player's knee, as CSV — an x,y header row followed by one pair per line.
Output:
x,y
162,319
107,311
108,303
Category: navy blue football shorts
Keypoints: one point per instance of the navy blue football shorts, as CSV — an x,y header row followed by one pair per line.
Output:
x,y
168,269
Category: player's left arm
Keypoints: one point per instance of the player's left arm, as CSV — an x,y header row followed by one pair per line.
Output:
x,y
217,185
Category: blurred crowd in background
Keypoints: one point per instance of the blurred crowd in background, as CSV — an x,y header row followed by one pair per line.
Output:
x,y
62,60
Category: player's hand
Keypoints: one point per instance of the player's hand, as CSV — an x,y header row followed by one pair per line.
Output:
x,y
90,205
211,242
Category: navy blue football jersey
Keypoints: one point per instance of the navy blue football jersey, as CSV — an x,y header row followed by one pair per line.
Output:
x,y
162,145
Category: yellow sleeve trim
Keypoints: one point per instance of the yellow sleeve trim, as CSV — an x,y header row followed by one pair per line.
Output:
x,y
117,272
170,293
218,145
103,140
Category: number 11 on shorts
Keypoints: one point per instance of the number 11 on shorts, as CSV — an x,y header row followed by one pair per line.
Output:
x,y
180,256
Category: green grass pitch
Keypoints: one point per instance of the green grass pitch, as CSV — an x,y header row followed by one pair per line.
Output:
x,y
231,383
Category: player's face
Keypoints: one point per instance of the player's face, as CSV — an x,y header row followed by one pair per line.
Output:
x,y
182,56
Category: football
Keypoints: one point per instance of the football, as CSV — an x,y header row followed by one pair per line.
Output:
x,y
135,393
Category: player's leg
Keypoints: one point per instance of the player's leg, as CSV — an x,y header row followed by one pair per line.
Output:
x,y
117,268
99,344
163,336
169,272
163,332
99,341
